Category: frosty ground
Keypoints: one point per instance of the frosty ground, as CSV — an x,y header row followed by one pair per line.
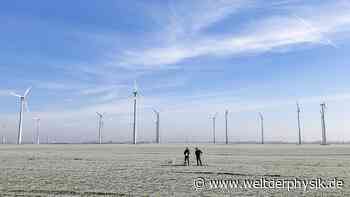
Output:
x,y
156,170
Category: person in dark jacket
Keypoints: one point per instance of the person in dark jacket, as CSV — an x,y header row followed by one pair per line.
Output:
x,y
198,156
187,157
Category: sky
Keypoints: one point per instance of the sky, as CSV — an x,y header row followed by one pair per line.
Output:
x,y
190,59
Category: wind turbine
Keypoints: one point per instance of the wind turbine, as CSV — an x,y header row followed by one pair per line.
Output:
x,y
3,138
100,125
23,104
323,124
226,125
262,127
214,120
299,127
135,93
157,126
37,126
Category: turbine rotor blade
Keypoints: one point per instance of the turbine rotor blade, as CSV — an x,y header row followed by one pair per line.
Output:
x,y
135,86
27,91
14,94
26,105
101,114
261,115
155,111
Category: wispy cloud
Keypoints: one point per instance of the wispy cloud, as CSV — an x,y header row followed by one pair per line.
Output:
x,y
302,25
57,86
187,19
101,89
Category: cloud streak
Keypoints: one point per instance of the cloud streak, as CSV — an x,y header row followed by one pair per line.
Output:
x,y
300,26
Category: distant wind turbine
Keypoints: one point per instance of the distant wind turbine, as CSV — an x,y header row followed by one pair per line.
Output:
x,y
214,120
135,93
323,124
157,126
37,128
3,138
226,125
100,125
299,125
23,105
262,127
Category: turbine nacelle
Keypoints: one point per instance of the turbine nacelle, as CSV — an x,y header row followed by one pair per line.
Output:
x,y
100,114
298,107
155,111
23,97
214,116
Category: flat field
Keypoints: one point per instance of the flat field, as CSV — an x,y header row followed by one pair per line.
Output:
x,y
157,170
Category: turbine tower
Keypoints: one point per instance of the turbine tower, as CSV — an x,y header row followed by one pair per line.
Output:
x,y
135,93
100,124
214,120
157,126
299,125
23,105
3,138
226,125
323,124
262,127
37,128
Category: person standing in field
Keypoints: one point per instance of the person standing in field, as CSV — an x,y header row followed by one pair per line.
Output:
x,y
187,156
198,156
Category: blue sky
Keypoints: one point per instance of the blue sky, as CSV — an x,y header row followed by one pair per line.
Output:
x,y
190,59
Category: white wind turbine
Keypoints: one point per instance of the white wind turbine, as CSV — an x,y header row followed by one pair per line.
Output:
x,y
37,129
323,123
261,116
226,125
157,126
299,125
3,138
135,94
23,104
100,125
214,126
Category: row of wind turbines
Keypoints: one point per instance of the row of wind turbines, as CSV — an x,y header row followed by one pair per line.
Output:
x,y
24,106
261,119
134,125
